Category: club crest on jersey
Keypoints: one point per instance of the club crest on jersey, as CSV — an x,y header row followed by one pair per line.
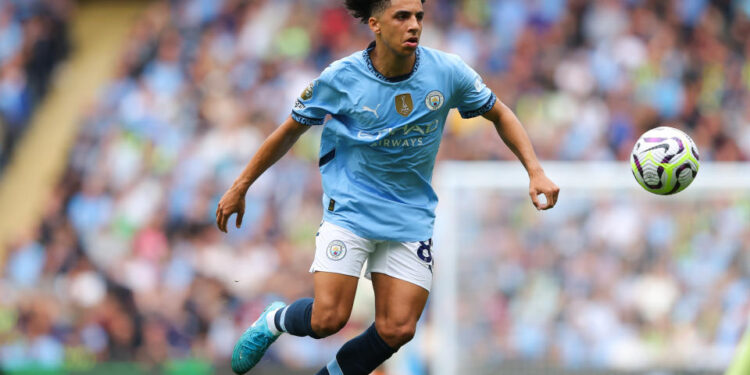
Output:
x,y
404,105
336,250
307,94
434,100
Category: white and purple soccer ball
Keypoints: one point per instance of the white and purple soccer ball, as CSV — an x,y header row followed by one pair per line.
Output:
x,y
664,160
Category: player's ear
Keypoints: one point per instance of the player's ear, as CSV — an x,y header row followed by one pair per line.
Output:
x,y
374,25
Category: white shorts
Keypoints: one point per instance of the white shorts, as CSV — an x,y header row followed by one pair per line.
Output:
x,y
338,250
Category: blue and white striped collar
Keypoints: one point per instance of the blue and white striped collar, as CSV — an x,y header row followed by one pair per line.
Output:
x,y
366,56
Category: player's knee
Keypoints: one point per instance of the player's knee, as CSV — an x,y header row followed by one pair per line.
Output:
x,y
396,334
326,323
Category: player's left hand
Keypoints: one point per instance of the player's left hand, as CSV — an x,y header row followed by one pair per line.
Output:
x,y
540,184
232,202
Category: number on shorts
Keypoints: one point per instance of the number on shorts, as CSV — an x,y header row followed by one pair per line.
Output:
x,y
425,250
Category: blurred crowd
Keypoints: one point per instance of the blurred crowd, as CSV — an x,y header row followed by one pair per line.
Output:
x,y
648,283
128,264
33,40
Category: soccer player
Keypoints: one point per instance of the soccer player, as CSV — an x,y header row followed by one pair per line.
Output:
x,y
388,106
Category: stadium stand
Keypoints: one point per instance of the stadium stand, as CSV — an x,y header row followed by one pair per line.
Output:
x,y
33,41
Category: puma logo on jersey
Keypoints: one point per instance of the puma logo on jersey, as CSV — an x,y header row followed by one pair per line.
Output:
x,y
374,111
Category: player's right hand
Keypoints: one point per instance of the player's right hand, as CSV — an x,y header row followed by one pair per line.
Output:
x,y
232,202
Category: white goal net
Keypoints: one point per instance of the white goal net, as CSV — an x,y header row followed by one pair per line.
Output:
x,y
612,279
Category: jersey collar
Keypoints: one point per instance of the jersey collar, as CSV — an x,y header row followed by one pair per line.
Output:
x,y
366,56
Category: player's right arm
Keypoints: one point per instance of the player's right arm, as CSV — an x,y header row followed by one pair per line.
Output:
x,y
273,148
319,99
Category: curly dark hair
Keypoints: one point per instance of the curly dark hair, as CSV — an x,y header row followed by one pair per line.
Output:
x,y
364,9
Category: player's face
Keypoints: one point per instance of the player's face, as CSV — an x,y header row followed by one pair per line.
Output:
x,y
400,26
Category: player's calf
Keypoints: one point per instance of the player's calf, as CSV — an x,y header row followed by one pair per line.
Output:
x,y
360,355
305,318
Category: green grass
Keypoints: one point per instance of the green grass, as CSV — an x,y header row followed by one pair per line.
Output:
x,y
741,363
183,367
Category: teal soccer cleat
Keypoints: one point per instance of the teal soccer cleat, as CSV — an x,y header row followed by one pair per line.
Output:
x,y
254,342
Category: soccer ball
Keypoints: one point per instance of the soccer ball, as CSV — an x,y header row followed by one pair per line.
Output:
x,y
664,160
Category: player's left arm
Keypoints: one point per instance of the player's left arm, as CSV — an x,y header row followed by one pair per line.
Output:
x,y
514,135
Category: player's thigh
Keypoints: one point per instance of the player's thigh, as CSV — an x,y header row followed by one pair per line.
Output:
x,y
398,300
408,261
334,297
398,306
339,257
338,250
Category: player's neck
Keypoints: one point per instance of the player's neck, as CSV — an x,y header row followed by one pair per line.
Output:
x,y
390,64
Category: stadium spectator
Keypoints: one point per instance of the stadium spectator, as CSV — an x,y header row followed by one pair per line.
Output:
x,y
33,40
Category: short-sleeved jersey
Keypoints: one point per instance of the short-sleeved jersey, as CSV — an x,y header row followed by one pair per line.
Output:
x,y
378,149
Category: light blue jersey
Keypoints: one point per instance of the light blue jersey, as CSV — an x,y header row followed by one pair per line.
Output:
x,y
378,149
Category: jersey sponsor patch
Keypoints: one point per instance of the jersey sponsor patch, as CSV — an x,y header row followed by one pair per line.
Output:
x,y
307,93
336,250
434,100
404,104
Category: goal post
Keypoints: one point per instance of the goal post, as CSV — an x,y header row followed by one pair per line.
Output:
x,y
467,190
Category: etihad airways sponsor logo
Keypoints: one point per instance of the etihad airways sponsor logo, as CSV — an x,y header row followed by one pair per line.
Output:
x,y
395,142
422,129
406,130
409,135
371,136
